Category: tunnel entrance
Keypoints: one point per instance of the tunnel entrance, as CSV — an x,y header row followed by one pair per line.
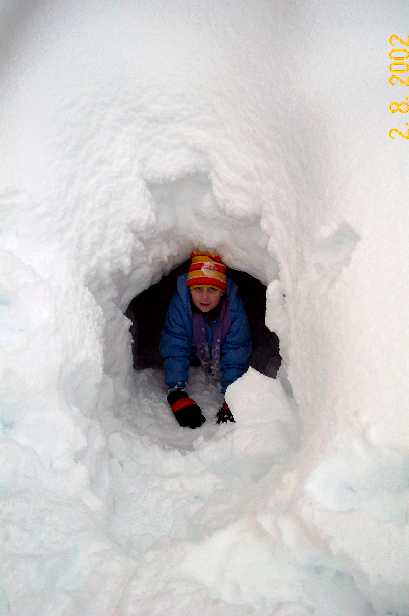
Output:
x,y
147,312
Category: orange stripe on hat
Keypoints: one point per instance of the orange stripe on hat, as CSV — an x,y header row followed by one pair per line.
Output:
x,y
198,255
206,269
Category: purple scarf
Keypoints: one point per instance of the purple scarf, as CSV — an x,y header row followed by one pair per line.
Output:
x,y
210,358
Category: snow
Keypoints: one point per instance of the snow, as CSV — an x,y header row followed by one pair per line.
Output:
x,y
130,133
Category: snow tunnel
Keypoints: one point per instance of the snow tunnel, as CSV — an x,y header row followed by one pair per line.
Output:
x,y
184,213
130,133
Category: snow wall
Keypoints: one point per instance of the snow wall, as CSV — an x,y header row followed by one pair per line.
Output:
x,y
130,132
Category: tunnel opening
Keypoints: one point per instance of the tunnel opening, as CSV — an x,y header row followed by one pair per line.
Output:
x,y
147,312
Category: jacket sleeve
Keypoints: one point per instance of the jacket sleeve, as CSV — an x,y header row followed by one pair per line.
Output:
x,y
236,348
176,343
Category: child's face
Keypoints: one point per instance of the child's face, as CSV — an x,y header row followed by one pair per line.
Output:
x,y
206,298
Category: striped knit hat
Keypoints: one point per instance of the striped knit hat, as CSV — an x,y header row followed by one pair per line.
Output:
x,y
206,270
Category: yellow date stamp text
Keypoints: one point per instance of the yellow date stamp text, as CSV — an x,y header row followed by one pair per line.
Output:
x,y
399,69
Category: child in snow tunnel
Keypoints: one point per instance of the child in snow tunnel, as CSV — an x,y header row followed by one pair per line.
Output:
x,y
206,322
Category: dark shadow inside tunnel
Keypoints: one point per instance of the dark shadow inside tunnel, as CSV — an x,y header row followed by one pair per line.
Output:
x,y
147,313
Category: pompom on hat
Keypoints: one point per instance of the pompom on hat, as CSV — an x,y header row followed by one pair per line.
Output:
x,y
206,270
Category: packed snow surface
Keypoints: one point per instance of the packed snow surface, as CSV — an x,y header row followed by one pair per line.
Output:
x,y
131,132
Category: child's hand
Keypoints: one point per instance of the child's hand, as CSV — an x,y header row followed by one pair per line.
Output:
x,y
225,414
187,412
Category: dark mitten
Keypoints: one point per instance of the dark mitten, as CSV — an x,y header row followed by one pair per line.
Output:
x,y
186,411
225,414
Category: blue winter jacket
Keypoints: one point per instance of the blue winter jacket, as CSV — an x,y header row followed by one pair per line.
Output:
x,y
176,344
